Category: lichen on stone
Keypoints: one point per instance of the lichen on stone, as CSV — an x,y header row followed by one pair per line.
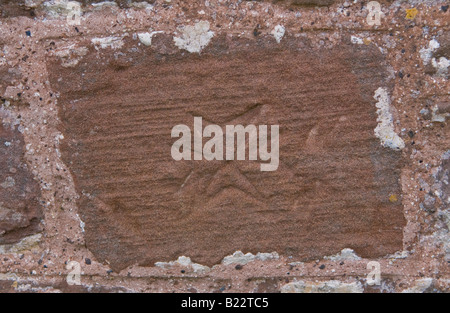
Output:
x,y
113,42
146,38
194,38
278,33
344,255
184,261
240,258
385,128
331,286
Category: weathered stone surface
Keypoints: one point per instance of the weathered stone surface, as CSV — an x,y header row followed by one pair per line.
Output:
x,y
14,8
11,286
441,189
442,179
7,76
410,37
332,286
302,2
31,8
439,58
20,210
306,2
332,189
444,46
120,3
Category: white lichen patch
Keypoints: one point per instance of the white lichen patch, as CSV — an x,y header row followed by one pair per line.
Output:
x,y
70,55
33,3
60,8
385,128
427,53
399,255
356,40
82,224
146,38
112,42
34,289
104,4
345,255
236,258
438,117
194,38
26,244
141,5
441,66
240,258
278,32
331,286
184,261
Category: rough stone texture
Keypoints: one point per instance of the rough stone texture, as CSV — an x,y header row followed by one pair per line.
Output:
x,y
7,76
440,57
306,2
443,177
14,8
332,286
29,8
20,210
331,189
402,92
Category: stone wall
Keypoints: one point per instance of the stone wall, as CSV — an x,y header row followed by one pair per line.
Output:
x,y
91,199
